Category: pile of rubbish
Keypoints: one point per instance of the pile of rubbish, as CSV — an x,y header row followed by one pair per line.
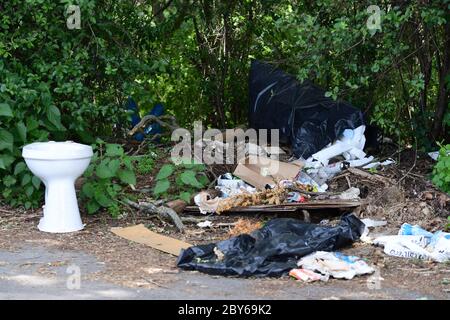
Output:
x,y
260,180
325,137
273,250
320,265
307,251
415,242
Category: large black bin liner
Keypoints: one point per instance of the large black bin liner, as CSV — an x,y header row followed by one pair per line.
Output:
x,y
272,250
305,117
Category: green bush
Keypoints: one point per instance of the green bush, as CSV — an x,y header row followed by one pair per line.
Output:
x,y
110,170
441,171
60,84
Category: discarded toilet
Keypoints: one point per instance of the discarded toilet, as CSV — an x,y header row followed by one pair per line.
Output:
x,y
58,165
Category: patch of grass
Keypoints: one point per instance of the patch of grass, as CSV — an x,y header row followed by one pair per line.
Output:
x,y
145,164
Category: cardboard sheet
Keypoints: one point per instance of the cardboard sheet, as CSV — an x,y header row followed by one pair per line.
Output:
x,y
259,171
141,234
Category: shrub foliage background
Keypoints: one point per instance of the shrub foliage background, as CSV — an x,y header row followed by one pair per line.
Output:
x,y
194,56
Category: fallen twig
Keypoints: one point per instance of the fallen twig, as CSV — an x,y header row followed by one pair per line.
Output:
x,y
6,211
155,283
369,176
410,169
192,219
163,212
225,224
139,148
341,175
151,118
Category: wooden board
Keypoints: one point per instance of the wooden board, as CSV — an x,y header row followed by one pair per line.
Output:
x,y
291,207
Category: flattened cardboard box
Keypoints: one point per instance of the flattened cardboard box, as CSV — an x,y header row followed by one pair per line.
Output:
x,y
141,234
260,171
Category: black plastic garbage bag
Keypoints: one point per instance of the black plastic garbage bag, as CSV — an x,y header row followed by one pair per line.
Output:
x,y
305,117
272,250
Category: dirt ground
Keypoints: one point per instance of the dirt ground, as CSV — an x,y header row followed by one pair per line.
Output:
x,y
407,196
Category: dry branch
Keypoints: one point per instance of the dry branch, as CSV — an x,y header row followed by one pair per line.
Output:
x,y
166,121
164,213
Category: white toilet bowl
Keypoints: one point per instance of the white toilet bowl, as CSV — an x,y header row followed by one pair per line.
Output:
x,y
58,165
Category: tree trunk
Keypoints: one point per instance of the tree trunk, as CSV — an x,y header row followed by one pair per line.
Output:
x,y
443,95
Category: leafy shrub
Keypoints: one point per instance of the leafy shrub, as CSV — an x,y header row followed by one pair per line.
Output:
x,y
185,178
17,183
441,171
110,170
60,84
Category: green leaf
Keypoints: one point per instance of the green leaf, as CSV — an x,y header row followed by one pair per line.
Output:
x,y
54,116
178,181
185,196
22,130
6,160
113,190
114,165
114,150
89,171
127,176
188,177
103,171
92,206
165,171
101,197
161,186
26,179
88,189
203,179
32,124
5,110
128,163
20,167
85,136
9,181
29,191
36,182
6,140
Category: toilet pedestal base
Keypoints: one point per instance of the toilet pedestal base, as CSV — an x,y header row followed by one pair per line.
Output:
x,y
61,213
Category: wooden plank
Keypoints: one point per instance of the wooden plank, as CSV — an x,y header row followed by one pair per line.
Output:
x,y
291,207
